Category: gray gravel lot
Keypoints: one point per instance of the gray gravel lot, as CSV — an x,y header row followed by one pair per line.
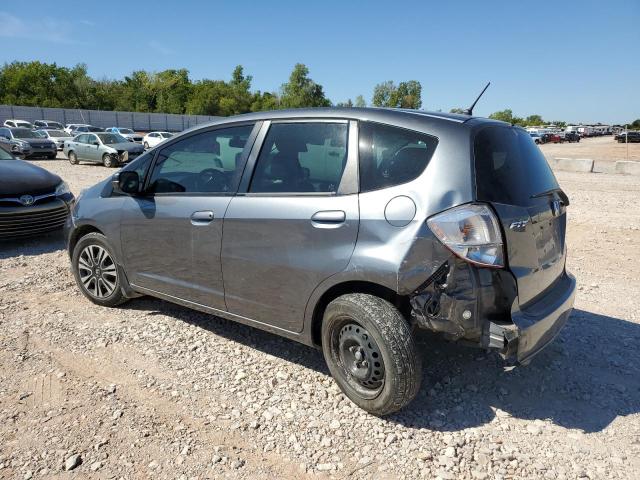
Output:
x,y
154,390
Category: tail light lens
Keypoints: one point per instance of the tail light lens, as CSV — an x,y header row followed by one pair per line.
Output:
x,y
471,232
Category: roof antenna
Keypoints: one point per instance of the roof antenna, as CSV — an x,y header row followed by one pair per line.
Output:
x,y
469,111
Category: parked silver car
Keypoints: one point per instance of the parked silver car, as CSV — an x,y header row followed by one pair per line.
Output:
x,y
110,149
345,229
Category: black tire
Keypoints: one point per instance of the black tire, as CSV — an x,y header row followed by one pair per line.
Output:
x,y
391,377
108,161
52,157
107,293
73,158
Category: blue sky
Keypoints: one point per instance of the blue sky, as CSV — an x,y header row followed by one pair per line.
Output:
x,y
572,60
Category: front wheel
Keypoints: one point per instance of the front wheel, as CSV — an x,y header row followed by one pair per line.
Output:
x,y
95,271
73,158
371,353
108,161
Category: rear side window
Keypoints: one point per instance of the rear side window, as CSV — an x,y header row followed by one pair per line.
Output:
x,y
510,168
391,156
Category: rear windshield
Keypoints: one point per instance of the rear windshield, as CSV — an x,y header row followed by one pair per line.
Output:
x,y
510,168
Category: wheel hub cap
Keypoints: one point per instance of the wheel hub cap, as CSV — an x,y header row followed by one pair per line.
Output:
x,y
360,356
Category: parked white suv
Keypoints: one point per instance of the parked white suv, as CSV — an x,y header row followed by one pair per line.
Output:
x,y
13,123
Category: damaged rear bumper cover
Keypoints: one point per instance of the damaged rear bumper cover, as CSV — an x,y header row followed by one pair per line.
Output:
x,y
536,326
480,307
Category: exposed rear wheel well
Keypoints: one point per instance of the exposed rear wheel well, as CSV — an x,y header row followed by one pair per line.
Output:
x,y
79,233
401,302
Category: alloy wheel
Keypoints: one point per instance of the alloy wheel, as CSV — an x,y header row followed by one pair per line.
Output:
x,y
97,271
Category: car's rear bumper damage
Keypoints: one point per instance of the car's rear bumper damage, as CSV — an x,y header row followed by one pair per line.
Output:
x,y
480,306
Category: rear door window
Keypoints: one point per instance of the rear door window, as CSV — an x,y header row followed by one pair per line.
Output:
x,y
392,156
301,158
510,168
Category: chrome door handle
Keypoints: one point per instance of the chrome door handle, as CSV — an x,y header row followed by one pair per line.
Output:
x,y
202,217
329,217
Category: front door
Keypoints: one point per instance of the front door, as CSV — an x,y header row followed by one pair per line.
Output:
x,y
294,223
172,235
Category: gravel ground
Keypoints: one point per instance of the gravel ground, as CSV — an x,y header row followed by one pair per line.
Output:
x,y
154,390
597,148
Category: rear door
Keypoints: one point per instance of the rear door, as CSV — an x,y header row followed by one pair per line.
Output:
x,y
514,176
294,221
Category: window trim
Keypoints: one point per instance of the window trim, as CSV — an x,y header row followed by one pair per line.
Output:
x,y
349,181
177,138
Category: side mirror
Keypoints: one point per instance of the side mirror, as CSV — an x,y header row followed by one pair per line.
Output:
x,y
97,144
126,182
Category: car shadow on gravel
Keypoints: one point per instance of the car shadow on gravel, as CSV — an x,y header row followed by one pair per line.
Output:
x,y
584,380
46,243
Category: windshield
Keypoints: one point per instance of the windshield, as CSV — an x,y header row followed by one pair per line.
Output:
x,y
55,125
126,130
111,138
4,155
166,135
94,129
41,133
24,133
58,133
24,124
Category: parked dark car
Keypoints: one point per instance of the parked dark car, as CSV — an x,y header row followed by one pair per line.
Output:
x,y
552,138
47,124
629,137
571,137
345,229
27,143
32,200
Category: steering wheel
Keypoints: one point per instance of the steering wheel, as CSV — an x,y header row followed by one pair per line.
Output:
x,y
211,180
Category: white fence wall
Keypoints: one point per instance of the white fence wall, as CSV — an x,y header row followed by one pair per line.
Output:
x,y
135,120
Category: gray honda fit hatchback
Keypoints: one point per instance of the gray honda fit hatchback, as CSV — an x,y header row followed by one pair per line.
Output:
x,y
345,229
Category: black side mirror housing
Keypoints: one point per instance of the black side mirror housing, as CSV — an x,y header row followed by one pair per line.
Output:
x,y
97,144
127,183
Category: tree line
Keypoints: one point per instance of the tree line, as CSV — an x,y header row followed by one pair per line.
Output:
x,y
172,91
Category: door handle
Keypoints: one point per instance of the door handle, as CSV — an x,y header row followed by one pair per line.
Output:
x,y
202,217
329,217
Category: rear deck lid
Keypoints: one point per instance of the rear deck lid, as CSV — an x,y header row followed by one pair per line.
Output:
x,y
512,175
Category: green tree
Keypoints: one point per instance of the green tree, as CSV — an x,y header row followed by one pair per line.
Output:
x,y
264,101
171,89
503,116
635,124
300,91
348,104
405,95
534,120
456,110
384,94
360,103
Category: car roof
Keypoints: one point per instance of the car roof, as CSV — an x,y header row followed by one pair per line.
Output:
x,y
397,116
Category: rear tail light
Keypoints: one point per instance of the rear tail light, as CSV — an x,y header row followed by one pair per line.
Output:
x,y
472,233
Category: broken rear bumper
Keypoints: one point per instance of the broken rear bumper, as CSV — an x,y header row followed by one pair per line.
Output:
x,y
535,326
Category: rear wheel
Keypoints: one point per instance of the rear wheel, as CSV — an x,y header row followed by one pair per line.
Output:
x,y
371,353
96,272
73,158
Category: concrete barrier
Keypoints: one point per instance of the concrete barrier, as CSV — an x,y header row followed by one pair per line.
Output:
x,y
584,165
628,167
